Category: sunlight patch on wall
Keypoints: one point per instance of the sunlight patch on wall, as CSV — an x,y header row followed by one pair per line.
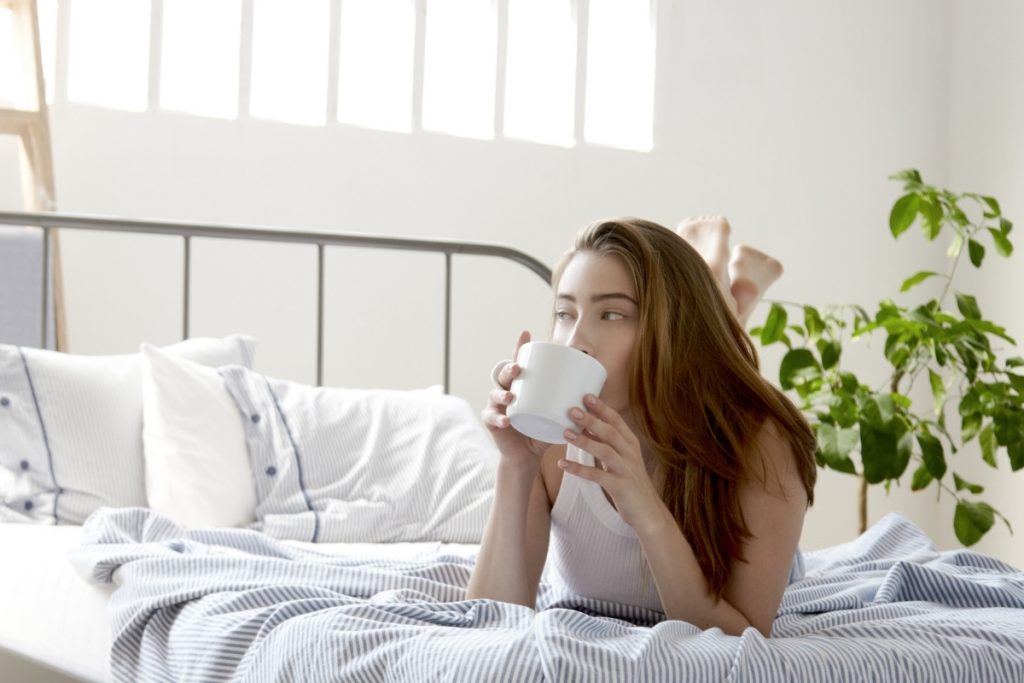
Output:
x,y
540,75
199,64
376,64
289,61
459,68
620,75
108,61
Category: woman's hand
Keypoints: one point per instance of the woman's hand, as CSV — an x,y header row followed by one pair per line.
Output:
x,y
515,447
622,472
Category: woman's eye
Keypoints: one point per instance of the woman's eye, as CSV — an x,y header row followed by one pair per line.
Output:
x,y
612,315
563,315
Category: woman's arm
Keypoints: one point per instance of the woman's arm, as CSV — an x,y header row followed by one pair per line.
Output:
x,y
773,502
515,543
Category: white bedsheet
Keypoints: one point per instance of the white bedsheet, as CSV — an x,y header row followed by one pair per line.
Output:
x,y
51,615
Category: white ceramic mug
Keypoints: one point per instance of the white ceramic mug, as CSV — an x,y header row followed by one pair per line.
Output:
x,y
553,379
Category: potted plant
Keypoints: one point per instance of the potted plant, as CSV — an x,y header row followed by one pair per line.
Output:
x,y
873,430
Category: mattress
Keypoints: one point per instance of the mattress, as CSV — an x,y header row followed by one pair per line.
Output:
x,y
52,616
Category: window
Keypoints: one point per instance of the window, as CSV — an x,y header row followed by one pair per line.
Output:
x,y
459,67
540,74
199,64
620,75
289,61
376,63
108,61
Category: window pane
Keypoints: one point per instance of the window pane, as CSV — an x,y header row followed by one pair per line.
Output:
x,y
620,75
199,66
540,77
376,63
108,60
289,61
10,74
459,64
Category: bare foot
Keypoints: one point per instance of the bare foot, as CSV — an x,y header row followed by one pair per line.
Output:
x,y
751,272
709,235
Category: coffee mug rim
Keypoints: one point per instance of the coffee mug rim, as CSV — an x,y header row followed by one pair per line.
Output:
x,y
564,346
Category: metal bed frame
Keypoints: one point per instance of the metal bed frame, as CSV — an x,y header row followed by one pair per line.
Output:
x,y
321,238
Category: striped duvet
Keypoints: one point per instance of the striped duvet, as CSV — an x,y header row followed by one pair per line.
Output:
x,y
212,605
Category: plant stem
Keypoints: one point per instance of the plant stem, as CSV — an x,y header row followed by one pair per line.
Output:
x,y
863,508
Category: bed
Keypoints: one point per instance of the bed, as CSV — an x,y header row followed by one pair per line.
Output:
x,y
226,525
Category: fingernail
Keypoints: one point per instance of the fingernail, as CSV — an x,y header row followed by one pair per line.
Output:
x,y
564,464
576,414
590,399
570,435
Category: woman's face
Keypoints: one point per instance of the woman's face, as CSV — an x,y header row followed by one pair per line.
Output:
x,y
596,312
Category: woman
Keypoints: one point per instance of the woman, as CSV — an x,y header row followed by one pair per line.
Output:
x,y
685,484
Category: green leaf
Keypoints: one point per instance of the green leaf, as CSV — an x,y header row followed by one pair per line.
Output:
x,y
971,521
794,361
993,204
933,454
775,326
903,213
932,212
830,352
1016,453
962,484
910,175
921,479
956,245
938,389
885,452
1014,362
976,251
879,410
813,322
969,426
1002,242
1005,226
835,445
916,279
987,438
968,306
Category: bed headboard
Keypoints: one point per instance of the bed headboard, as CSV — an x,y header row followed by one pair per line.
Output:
x,y
47,222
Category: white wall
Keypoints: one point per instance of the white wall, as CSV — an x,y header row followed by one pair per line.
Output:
x,y
786,116
986,150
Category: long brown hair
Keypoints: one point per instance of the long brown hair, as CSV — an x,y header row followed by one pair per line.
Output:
x,y
695,389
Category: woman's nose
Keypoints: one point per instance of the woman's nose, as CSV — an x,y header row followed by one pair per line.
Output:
x,y
580,339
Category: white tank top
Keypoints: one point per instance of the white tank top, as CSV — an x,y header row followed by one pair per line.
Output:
x,y
592,551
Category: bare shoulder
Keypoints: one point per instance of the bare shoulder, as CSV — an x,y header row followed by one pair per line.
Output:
x,y
550,472
771,464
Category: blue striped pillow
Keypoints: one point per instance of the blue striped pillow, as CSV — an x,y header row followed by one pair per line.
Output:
x,y
71,428
353,465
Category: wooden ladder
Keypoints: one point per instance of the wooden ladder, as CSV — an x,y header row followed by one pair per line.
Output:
x,y
29,122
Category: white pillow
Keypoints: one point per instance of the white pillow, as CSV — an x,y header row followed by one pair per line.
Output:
x,y
364,466
197,466
71,428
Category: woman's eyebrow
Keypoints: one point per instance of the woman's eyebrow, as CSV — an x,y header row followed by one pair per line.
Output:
x,y
601,297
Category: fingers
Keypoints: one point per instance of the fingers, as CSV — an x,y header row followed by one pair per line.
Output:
x,y
524,337
507,374
603,426
594,474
